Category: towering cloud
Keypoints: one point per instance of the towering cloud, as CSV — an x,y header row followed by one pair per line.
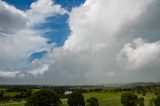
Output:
x,y
110,41
99,49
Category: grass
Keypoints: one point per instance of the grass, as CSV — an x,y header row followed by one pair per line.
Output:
x,y
12,94
113,99
110,98
104,98
35,90
12,103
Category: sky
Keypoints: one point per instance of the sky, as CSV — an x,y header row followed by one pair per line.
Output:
x,y
79,42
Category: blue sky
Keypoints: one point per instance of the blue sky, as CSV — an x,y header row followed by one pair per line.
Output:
x,y
57,25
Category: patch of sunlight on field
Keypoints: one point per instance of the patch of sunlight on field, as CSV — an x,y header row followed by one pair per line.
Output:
x,y
35,90
12,103
12,94
105,98
64,102
113,99
148,97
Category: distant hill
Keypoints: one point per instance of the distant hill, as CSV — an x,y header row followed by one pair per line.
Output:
x,y
131,85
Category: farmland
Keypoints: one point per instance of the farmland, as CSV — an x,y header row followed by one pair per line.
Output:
x,y
108,98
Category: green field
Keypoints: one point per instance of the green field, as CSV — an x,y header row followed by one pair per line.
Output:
x,y
104,98
113,99
12,103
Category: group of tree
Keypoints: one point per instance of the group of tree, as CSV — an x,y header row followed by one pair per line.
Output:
x,y
3,97
131,99
44,98
48,97
157,101
22,95
17,89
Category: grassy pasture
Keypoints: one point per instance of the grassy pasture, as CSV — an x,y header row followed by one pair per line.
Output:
x,y
12,94
113,99
12,103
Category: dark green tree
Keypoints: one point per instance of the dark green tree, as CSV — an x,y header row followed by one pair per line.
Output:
x,y
43,98
92,101
129,99
28,93
1,95
157,101
141,101
76,99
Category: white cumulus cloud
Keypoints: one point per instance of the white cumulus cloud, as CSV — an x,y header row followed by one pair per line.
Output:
x,y
18,38
140,53
39,71
9,74
41,9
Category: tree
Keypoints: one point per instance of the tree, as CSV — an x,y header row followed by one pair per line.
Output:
x,y
157,101
43,98
141,101
92,101
1,95
76,99
129,99
28,93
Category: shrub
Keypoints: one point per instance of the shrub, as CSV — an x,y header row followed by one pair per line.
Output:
x,y
92,101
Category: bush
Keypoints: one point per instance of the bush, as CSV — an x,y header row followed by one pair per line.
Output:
x,y
92,101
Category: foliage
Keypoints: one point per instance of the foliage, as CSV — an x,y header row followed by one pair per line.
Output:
x,y
17,89
129,99
43,98
4,97
1,95
151,101
141,101
92,101
76,99
104,98
157,101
